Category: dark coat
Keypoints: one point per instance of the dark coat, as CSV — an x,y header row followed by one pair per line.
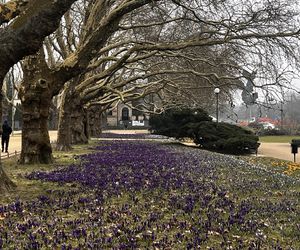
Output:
x,y
6,130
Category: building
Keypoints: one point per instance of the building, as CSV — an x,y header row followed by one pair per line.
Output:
x,y
124,116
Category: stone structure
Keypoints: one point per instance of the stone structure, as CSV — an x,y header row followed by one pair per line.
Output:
x,y
124,116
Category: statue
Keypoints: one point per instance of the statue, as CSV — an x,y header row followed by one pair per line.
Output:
x,y
249,97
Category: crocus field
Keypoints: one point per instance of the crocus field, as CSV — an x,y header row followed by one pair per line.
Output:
x,y
140,194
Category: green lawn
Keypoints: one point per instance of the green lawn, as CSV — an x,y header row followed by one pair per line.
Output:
x,y
29,189
278,138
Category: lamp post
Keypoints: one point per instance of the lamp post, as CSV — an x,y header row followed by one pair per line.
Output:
x,y
254,96
281,115
217,91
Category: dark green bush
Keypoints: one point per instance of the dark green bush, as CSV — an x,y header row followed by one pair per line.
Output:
x,y
172,122
197,125
223,137
273,132
261,131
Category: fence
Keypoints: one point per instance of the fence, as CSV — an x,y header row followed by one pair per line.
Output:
x,y
7,155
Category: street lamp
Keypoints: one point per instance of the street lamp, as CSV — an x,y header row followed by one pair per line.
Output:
x,y
217,91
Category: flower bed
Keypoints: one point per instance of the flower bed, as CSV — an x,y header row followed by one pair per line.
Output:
x,y
123,136
139,195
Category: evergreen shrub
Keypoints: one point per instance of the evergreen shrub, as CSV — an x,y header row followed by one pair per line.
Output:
x,y
197,125
173,121
223,137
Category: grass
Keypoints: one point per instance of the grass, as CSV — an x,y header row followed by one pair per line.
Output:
x,y
281,166
30,189
278,139
149,213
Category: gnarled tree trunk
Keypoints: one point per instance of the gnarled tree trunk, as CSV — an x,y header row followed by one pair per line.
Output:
x,y
36,147
63,142
73,121
79,130
95,118
24,36
18,41
36,96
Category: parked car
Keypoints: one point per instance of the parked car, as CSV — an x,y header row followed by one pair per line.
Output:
x,y
267,125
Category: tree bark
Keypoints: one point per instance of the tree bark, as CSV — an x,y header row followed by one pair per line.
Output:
x,y
63,142
24,36
11,9
73,122
36,147
5,183
95,118
80,125
36,96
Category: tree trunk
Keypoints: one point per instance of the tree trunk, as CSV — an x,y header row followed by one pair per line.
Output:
x,y
5,183
63,142
79,130
73,122
36,147
36,96
95,118
25,35
53,115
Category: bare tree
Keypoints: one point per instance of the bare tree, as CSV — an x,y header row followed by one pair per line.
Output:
x,y
251,32
52,80
25,34
34,20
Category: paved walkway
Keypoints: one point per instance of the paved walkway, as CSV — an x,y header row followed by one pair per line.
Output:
x,y
16,140
276,150
127,131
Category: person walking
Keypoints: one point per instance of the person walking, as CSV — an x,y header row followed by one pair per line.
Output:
x,y
6,131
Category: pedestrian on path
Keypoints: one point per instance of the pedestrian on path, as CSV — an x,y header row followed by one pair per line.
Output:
x,y
6,131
